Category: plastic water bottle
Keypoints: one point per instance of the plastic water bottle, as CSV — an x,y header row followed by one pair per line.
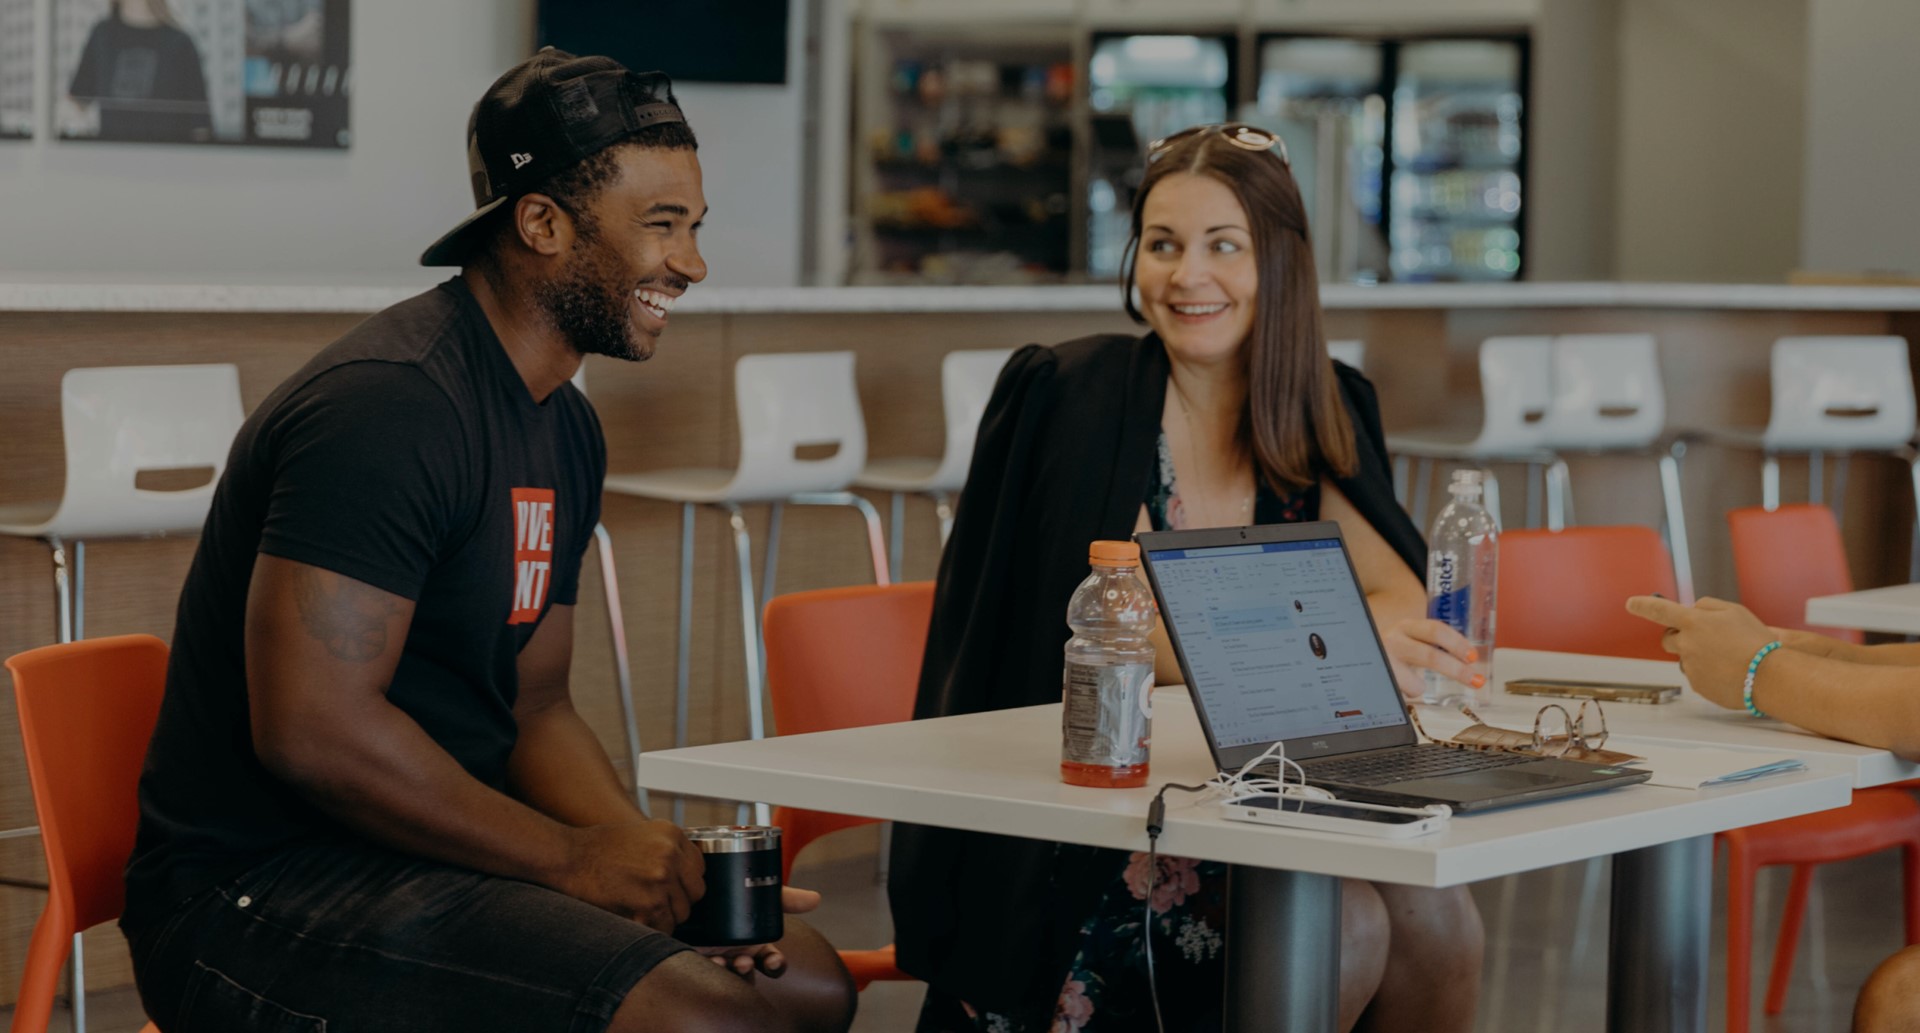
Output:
x,y
1107,685
1463,567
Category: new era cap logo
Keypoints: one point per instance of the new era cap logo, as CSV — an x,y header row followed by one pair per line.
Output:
x,y
521,161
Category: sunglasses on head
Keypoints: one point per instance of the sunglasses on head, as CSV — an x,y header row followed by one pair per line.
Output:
x,y
1239,134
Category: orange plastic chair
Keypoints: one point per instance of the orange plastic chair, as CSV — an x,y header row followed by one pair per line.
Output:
x,y
86,711
1781,558
843,658
1566,591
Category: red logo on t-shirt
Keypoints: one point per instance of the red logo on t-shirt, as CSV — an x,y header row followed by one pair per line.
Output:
x,y
532,552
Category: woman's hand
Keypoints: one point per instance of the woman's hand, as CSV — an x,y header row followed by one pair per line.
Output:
x,y
1421,643
1816,644
1714,639
766,957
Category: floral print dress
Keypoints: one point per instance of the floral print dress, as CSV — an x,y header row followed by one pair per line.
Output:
x,y
1185,910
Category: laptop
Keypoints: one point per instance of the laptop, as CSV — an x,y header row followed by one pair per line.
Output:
x,y
1275,640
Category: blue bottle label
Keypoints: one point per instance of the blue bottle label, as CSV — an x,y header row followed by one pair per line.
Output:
x,y
1447,598
1452,609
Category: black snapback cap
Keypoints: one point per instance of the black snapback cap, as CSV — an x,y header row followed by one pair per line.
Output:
x,y
544,116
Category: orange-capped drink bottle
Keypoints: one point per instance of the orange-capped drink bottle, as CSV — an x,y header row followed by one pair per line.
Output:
x,y
1107,687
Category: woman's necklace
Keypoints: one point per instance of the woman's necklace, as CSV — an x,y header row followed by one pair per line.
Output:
x,y
1240,515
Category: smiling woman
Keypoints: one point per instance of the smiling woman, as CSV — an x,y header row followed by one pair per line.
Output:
x,y
1228,412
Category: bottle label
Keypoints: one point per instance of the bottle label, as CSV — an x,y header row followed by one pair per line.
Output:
x,y
1447,598
1108,717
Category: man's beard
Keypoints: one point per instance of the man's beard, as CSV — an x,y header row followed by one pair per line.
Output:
x,y
591,303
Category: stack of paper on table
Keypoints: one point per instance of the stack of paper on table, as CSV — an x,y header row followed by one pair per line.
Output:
x,y
1697,767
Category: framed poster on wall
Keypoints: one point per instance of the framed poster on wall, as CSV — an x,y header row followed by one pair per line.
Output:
x,y
254,72
16,69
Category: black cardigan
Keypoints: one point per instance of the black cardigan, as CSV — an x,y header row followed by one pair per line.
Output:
x,y
1063,458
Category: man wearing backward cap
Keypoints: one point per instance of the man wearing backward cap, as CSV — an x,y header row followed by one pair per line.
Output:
x,y
369,803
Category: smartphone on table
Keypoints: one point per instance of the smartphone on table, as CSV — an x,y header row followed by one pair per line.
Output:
x,y
1606,692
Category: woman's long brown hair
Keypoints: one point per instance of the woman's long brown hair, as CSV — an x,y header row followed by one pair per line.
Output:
x,y
1295,421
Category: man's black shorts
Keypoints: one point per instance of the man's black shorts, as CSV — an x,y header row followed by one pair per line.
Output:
x,y
348,937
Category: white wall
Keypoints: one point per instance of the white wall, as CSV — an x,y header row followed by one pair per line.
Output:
x,y
210,214
1712,130
1573,144
1863,137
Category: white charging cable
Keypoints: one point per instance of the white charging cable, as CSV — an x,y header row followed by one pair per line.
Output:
x,y
1239,786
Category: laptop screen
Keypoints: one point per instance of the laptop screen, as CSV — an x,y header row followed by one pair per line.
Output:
x,y
1276,638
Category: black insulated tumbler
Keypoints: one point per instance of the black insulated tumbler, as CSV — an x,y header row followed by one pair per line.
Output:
x,y
742,903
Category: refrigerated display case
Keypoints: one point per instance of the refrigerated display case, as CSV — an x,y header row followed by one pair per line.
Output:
x,y
1327,98
1011,153
1416,152
966,172
1455,186
1161,84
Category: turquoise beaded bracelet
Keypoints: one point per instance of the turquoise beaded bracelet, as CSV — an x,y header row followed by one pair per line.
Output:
x,y
1753,668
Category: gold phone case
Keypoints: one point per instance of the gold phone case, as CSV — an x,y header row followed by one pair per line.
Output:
x,y
1610,692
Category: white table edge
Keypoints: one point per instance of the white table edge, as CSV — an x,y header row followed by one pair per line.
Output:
x,y
1428,861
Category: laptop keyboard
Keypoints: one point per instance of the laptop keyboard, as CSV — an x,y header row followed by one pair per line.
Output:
x,y
1426,760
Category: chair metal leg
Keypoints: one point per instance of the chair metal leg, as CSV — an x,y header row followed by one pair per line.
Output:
x,y
1422,479
942,508
683,654
897,532
749,621
775,514
1677,521
77,984
1913,553
1490,495
749,637
1401,467
1816,477
622,670
1559,495
1840,465
1566,489
1770,482
1534,477
63,591
876,539
79,590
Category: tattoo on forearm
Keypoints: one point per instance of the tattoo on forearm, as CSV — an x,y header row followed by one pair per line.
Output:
x,y
350,618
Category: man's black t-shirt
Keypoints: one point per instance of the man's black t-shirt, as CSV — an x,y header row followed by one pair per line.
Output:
x,y
408,455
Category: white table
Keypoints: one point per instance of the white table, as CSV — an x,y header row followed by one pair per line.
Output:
x,y
1690,719
999,772
1895,609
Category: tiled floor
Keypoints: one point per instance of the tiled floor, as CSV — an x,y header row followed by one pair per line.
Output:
x,y
1546,961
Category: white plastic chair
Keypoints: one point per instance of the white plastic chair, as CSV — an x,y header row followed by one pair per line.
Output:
x,y
1839,394
118,422
785,402
1608,400
1831,394
1353,353
1516,390
966,384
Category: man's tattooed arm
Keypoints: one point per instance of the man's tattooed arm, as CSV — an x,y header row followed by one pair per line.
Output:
x,y
350,618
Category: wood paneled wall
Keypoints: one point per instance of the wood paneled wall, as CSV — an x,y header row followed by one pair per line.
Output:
x,y
677,410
